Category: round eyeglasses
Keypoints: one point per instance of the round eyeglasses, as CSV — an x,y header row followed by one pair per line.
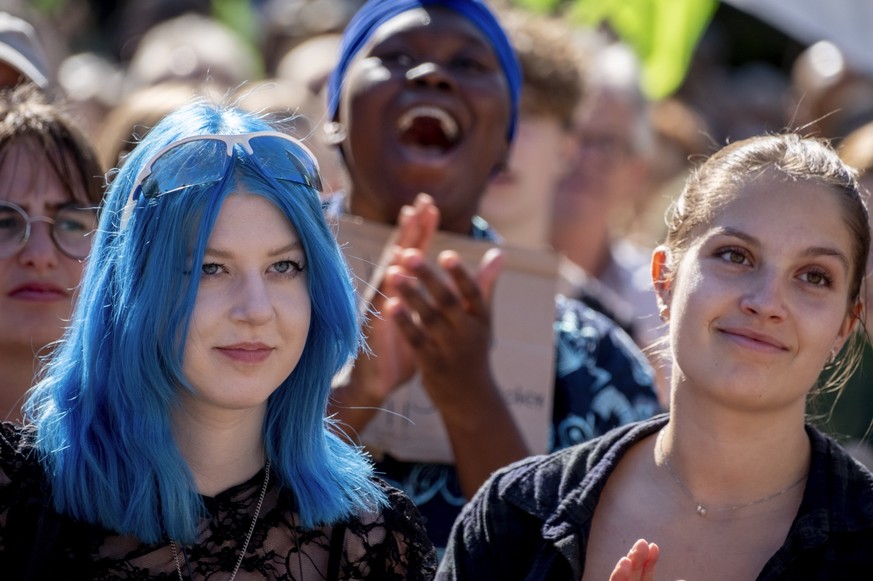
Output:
x,y
71,229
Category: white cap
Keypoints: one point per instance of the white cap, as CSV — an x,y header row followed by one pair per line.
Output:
x,y
20,48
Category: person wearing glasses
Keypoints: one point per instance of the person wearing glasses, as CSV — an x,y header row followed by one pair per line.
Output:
x,y
179,430
50,188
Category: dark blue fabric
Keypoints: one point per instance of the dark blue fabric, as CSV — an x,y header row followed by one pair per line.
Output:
x,y
531,520
376,12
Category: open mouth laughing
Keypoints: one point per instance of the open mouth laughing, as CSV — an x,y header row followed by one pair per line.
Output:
x,y
428,128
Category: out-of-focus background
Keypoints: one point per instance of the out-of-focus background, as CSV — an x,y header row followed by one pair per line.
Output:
x,y
708,72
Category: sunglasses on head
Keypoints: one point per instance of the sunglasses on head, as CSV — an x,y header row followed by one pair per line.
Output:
x,y
205,159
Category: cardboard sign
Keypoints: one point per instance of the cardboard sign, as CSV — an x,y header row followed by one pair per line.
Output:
x,y
410,428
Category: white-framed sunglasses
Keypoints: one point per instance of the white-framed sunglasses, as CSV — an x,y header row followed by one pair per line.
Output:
x,y
204,159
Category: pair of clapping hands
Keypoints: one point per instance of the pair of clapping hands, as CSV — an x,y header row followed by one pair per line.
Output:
x,y
435,319
430,321
425,317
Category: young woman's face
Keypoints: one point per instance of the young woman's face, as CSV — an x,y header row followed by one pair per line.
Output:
x,y
761,298
426,106
251,316
37,282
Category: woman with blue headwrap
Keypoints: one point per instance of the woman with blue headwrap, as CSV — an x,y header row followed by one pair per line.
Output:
x,y
424,99
179,430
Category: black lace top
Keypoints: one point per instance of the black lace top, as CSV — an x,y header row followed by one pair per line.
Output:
x,y
37,543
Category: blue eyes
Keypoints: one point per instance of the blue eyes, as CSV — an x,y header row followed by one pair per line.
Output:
x,y
211,268
282,268
287,266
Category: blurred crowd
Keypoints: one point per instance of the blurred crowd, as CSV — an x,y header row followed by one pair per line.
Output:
x,y
594,166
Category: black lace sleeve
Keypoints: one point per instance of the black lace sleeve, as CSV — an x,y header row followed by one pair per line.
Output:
x,y
37,543
27,528
20,475
408,552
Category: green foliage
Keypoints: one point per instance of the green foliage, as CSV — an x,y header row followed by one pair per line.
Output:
x,y
48,6
544,6
663,33
239,16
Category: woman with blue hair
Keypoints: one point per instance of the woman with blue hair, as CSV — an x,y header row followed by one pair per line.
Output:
x,y
179,430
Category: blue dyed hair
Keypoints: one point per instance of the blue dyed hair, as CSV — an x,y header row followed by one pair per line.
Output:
x,y
374,13
103,407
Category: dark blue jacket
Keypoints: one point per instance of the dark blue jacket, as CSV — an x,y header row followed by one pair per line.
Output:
x,y
531,520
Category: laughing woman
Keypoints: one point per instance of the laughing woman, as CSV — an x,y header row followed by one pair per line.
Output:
x,y
425,98
760,279
179,431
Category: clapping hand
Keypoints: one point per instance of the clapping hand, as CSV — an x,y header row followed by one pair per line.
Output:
x,y
639,564
442,311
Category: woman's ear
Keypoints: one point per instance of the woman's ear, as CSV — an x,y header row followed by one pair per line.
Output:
x,y
662,280
334,133
849,324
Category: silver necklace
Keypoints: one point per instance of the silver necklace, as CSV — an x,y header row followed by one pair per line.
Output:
x,y
702,509
245,546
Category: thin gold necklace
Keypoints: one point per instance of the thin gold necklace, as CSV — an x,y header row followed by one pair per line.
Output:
x,y
245,546
701,508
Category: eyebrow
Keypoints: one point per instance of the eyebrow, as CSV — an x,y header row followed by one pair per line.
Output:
x,y
811,252
227,254
49,206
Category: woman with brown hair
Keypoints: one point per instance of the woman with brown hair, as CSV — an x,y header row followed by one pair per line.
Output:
x,y
759,280
50,188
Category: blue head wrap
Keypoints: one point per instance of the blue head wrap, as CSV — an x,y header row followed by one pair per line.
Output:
x,y
376,12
